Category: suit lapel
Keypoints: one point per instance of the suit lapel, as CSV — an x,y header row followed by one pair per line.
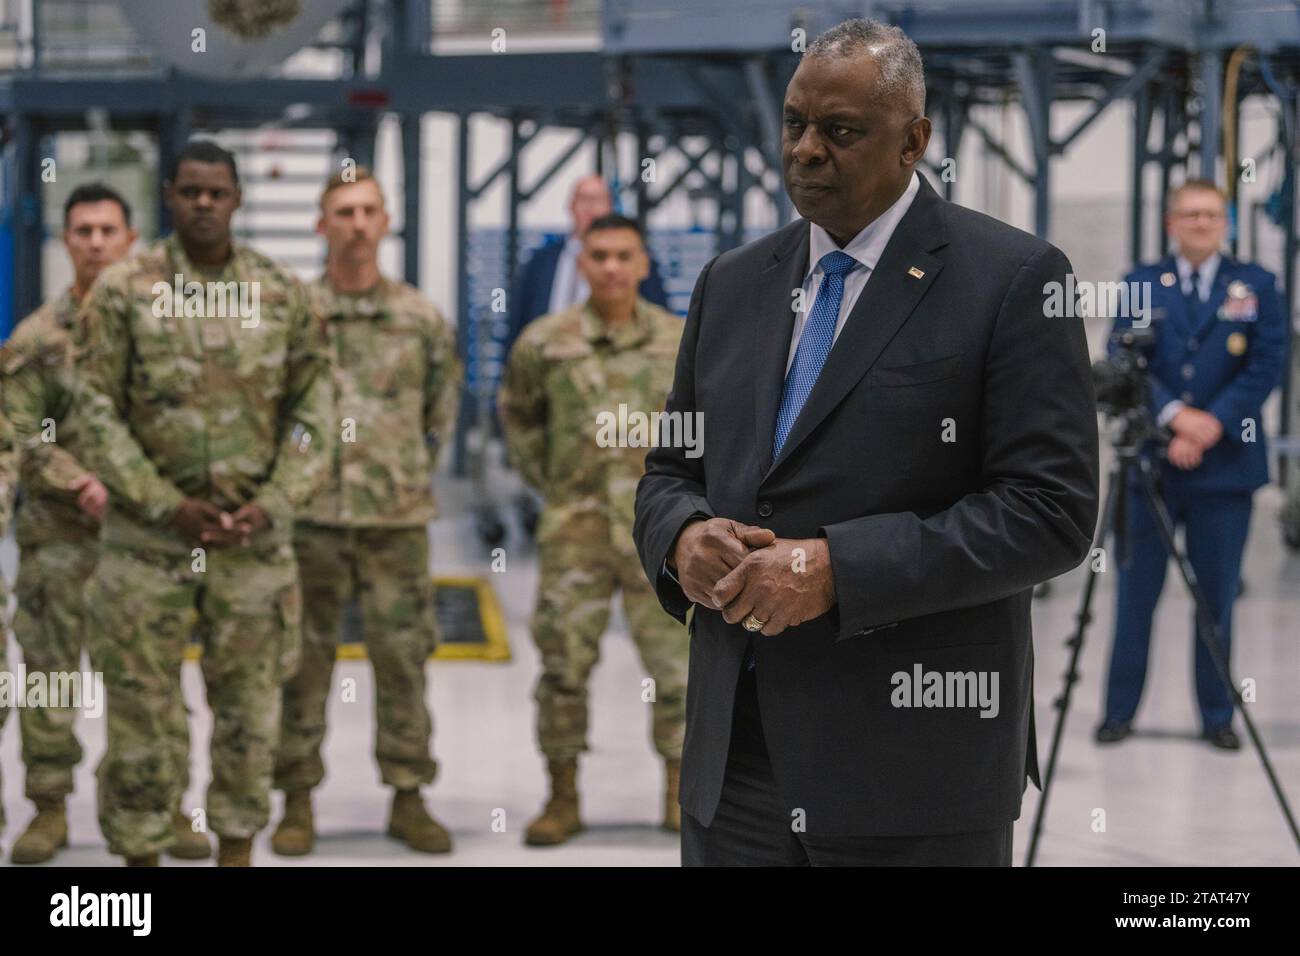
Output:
x,y
771,343
890,295
1180,310
548,276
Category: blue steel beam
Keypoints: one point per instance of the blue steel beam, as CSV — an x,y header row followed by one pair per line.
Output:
x,y
1124,90
660,26
547,81
1211,70
411,138
1034,70
152,95
1143,110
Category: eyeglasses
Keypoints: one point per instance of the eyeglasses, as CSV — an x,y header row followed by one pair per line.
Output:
x,y
1210,214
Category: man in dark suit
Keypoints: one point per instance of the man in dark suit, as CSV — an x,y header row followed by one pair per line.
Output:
x,y
550,280
1220,343
861,675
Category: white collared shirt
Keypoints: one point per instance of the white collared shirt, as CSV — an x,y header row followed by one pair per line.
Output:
x,y
866,247
569,286
1209,269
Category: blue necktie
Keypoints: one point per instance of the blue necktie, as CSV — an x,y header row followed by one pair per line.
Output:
x,y
809,357
1194,303
814,344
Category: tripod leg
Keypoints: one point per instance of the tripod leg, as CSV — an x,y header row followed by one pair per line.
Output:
x,y
1207,632
1115,495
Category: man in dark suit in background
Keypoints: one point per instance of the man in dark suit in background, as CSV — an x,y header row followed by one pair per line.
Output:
x,y
860,685
550,280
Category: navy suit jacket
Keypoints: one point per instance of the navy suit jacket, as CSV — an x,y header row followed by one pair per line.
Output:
x,y
1224,356
948,454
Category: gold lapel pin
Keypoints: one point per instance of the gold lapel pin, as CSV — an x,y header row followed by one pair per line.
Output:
x,y
915,273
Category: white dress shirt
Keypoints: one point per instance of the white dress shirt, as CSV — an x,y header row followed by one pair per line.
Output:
x,y
1205,278
569,286
866,247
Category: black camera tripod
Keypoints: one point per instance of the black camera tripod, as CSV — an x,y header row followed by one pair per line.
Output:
x,y
1135,428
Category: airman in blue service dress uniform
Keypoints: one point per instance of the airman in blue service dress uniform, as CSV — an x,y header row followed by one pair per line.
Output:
x,y
1220,343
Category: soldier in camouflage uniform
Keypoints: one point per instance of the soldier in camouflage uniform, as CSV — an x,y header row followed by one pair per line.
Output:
x,y
8,481
396,377
58,524
567,372
211,423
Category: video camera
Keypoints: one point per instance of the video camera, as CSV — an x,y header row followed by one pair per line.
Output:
x,y
1120,379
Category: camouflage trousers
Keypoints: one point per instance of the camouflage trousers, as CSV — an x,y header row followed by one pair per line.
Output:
x,y
143,606
50,629
388,571
578,579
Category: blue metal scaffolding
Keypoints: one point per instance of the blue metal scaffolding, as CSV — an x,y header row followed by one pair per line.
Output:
x,y
669,72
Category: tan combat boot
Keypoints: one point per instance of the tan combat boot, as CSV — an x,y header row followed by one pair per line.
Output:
x,y
234,851
672,812
44,836
559,820
296,834
148,859
189,845
411,823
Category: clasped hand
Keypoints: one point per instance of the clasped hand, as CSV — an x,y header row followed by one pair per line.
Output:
x,y
1195,433
744,570
205,523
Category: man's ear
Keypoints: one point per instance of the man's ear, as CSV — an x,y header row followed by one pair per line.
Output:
x,y
239,196
320,225
917,140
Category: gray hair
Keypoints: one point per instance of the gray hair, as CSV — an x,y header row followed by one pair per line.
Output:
x,y
902,76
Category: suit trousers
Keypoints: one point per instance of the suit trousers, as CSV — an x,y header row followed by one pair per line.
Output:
x,y
753,827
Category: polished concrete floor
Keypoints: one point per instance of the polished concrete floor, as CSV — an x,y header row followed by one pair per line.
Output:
x,y
1165,798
